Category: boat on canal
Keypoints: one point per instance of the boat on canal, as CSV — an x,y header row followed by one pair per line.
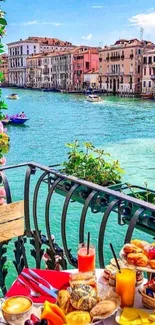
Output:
x,y
18,119
13,96
94,99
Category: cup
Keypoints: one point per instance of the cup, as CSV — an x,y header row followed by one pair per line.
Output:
x,y
86,262
16,309
125,285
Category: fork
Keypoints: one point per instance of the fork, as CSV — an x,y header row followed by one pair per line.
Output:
x,y
32,292
35,275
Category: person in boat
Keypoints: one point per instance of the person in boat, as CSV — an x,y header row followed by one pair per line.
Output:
x,y
22,115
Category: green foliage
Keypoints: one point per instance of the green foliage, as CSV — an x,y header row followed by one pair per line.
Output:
x,y
91,164
3,24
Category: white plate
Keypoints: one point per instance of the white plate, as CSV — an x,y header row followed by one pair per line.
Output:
x,y
140,268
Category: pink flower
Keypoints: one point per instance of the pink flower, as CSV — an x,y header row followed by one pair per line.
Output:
x,y
2,201
2,192
2,161
1,128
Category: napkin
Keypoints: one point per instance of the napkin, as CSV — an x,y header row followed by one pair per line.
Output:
x,y
57,279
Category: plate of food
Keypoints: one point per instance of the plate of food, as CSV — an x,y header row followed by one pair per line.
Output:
x,y
81,303
134,316
139,253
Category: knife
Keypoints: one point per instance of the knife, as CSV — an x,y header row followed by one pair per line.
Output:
x,y
52,293
36,276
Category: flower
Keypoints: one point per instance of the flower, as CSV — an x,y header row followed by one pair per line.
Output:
x,y
2,201
1,127
2,192
2,161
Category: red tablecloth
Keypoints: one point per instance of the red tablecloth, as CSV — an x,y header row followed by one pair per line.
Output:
x,y
59,280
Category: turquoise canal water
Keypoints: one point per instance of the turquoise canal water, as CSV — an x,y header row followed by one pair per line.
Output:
x,y
123,127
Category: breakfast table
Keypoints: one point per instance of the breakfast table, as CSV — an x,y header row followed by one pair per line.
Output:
x,y
60,279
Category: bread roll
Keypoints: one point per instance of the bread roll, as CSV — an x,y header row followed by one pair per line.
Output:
x,y
152,264
83,297
130,248
137,259
103,308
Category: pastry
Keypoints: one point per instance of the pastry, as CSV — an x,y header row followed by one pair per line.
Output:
x,y
103,309
146,249
63,300
129,248
139,243
107,271
152,264
78,318
83,297
137,259
82,278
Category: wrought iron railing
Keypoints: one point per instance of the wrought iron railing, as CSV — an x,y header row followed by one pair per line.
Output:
x,y
117,200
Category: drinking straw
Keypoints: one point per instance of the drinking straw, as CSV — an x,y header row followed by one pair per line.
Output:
x,y
88,243
112,249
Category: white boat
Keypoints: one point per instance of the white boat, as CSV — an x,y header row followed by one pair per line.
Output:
x,y
94,98
13,96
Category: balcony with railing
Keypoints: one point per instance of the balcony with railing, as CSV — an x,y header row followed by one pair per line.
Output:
x,y
29,233
115,57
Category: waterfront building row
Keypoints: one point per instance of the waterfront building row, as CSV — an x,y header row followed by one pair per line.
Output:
x,y
19,51
128,66
69,70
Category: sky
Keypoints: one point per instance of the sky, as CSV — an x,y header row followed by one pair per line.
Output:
x,y
91,22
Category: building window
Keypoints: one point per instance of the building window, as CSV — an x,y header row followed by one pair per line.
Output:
x,y
110,83
144,84
154,59
150,71
21,62
139,68
149,84
139,51
118,84
150,59
144,71
87,65
145,60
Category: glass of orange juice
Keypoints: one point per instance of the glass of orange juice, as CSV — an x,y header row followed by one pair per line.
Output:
x,y
125,285
86,261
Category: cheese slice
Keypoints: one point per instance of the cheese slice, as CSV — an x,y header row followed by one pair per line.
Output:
x,y
152,317
137,321
144,317
129,314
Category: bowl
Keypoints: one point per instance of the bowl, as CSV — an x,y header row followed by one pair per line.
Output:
x,y
16,309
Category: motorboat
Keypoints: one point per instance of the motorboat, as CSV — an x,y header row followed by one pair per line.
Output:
x,y
94,98
5,121
13,96
18,119
147,96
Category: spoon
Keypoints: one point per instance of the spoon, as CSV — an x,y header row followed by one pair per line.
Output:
x,y
32,292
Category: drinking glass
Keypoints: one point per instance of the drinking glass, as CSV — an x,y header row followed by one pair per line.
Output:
x,y
86,262
125,285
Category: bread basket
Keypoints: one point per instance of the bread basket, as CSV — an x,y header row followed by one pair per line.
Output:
x,y
147,301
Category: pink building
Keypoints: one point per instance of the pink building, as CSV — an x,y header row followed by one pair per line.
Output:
x,y
84,61
121,66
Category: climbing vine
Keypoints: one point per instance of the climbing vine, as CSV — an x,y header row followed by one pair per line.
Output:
x,y
4,139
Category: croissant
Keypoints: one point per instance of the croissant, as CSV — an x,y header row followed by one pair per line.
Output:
x,y
63,300
137,259
130,248
139,243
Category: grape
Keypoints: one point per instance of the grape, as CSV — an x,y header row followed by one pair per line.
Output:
x,y
29,322
44,322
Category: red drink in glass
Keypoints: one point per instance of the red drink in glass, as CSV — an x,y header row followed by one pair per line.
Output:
x,y
86,263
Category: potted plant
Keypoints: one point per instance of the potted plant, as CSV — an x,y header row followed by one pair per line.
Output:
x,y
91,164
